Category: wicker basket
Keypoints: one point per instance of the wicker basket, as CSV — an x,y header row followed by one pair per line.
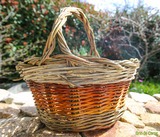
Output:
x,y
74,93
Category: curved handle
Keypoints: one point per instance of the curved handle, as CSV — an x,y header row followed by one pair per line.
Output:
x,y
57,32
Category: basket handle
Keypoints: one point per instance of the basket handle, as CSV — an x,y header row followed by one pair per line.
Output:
x,y
57,32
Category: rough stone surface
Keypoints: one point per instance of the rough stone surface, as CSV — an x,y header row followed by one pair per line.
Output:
x,y
14,126
29,110
120,129
132,119
11,109
135,107
6,96
21,87
157,96
28,127
4,115
4,106
153,107
152,120
23,98
141,97
48,133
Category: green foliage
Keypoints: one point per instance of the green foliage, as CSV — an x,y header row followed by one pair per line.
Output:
x,y
25,27
26,24
134,33
148,87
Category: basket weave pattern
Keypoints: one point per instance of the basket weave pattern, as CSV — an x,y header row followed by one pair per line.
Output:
x,y
75,93
79,109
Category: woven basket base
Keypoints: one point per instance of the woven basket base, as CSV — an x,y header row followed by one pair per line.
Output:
x,y
78,109
82,123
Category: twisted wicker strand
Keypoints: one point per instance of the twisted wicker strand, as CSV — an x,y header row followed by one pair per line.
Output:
x,y
57,31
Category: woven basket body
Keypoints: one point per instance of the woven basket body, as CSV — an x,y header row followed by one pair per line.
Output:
x,y
79,109
74,93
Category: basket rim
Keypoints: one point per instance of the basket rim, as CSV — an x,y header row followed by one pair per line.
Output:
x,y
68,68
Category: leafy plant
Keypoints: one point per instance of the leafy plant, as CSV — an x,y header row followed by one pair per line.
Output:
x,y
25,26
134,33
149,87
